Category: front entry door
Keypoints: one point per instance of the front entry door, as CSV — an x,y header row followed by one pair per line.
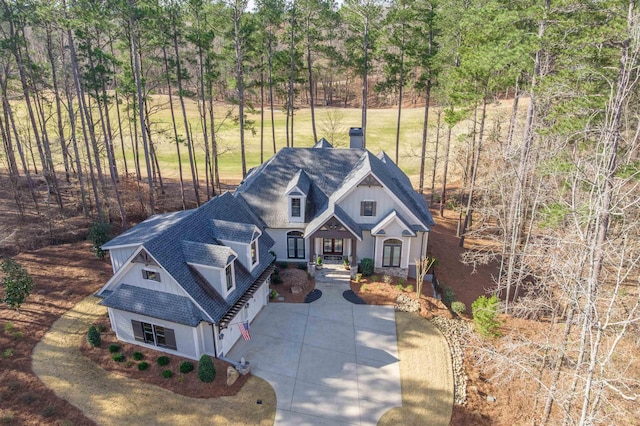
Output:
x,y
332,246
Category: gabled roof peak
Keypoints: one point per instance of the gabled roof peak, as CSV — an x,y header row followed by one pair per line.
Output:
x,y
301,181
323,143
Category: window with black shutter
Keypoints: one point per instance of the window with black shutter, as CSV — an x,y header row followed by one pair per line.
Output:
x,y
154,334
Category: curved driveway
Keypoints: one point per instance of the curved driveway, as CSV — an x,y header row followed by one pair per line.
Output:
x,y
111,399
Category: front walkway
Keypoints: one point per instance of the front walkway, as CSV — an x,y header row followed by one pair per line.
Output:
x,y
111,399
330,362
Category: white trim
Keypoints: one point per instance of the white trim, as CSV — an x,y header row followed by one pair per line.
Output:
x,y
121,246
387,221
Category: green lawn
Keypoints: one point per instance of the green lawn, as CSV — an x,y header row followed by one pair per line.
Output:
x,y
381,133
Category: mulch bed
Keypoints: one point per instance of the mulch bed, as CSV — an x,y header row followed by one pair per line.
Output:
x,y
185,384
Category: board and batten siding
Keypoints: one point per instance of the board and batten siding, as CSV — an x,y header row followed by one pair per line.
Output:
x,y
119,256
185,336
232,333
134,277
384,204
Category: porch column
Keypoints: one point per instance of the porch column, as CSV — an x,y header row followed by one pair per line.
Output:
x,y
354,257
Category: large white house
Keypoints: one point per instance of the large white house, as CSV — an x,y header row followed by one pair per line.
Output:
x,y
183,281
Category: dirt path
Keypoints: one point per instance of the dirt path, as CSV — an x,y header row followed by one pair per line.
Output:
x,y
425,372
110,399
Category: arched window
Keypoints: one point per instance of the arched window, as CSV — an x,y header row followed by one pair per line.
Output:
x,y
391,252
295,245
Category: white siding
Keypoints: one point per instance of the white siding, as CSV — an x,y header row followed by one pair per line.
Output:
x,y
185,342
364,248
119,256
384,204
215,277
133,276
404,255
232,333
280,246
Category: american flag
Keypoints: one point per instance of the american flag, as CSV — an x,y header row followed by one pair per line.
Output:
x,y
244,329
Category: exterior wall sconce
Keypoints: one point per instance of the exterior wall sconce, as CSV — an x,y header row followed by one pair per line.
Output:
x,y
220,336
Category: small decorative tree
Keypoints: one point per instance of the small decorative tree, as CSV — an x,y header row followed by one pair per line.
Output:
x,y
206,369
17,283
99,235
93,336
485,311
422,269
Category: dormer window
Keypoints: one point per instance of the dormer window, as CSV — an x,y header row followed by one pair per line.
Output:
x,y
295,207
254,252
228,272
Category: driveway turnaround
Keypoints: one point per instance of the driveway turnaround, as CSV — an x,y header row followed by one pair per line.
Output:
x,y
330,362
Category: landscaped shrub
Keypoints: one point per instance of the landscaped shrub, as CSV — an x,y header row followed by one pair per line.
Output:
x,y
448,296
93,336
138,356
363,288
386,278
374,278
366,266
114,348
485,311
273,294
143,365
458,307
186,367
99,235
401,281
283,265
118,357
206,369
276,279
167,373
358,277
409,288
163,360
302,266
399,287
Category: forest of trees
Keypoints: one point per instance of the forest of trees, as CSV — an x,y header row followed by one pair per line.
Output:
x,y
556,193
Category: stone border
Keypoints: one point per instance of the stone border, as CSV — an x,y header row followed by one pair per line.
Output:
x,y
453,330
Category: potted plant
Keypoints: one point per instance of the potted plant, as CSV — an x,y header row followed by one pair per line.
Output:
x,y
319,262
345,262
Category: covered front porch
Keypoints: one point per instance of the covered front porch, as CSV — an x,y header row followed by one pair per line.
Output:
x,y
333,242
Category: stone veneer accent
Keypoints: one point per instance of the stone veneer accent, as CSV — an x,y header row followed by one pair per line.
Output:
x,y
395,272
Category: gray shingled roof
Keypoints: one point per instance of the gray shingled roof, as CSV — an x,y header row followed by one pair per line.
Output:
x,y
233,231
330,171
153,303
323,143
214,255
146,230
301,181
195,227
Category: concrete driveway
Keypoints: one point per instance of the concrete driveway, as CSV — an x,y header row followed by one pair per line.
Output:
x,y
330,362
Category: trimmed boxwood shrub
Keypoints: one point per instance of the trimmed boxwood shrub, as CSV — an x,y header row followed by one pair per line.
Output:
x,y
118,357
114,348
302,266
163,360
206,369
167,374
138,356
186,367
93,336
276,279
143,365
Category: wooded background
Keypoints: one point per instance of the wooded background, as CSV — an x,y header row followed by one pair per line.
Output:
x,y
99,95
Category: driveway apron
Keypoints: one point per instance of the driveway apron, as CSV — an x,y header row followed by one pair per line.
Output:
x,y
330,362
